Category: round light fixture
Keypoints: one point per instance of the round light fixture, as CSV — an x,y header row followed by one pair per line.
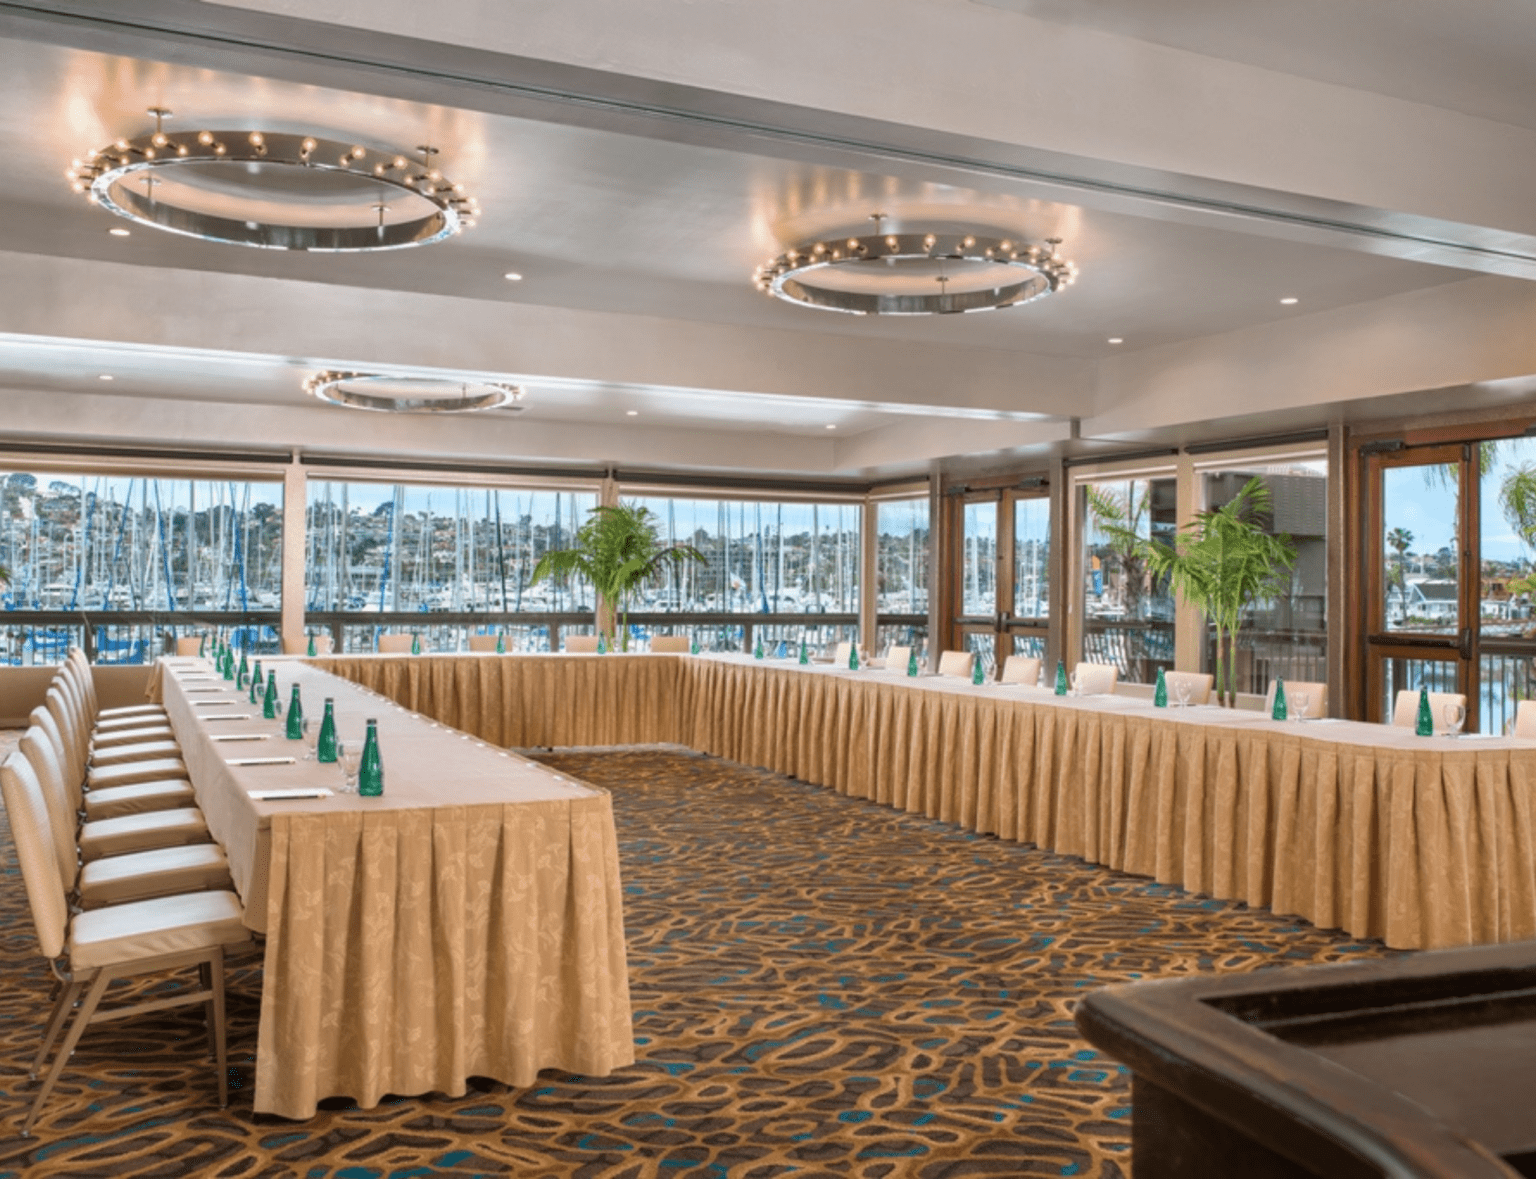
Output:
x,y
388,394
916,273
1289,301
512,276
275,190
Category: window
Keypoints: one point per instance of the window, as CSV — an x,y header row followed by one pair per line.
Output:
x,y
408,557
1127,613
901,566
162,556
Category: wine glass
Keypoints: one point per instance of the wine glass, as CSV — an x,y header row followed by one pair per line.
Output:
x,y
1076,681
350,755
1181,689
311,730
1455,716
1303,701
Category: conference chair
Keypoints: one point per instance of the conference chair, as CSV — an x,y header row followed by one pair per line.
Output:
x,y
135,876
1315,692
164,761
324,645
110,802
897,658
1021,669
958,663
115,748
91,949
396,644
1525,719
1096,679
189,644
483,643
841,654
580,644
128,714
1405,712
1197,684
671,644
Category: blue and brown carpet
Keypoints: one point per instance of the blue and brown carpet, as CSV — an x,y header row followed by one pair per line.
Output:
x,y
822,987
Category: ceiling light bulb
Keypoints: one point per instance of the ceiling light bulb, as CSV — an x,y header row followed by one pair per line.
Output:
x,y
205,137
1289,300
160,139
257,138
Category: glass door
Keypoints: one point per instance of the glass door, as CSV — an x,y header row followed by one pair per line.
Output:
x,y
1004,571
1422,588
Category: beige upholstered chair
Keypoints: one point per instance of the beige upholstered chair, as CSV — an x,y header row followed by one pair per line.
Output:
x,y
151,761
1315,692
324,644
97,947
128,714
110,802
897,658
483,643
1096,679
1199,686
1021,669
396,644
671,644
957,663
1525,719
580,644
841,654
189,644
1405,712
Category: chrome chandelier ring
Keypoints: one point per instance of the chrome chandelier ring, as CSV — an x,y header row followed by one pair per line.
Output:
x,y
124,177
916,273
390,394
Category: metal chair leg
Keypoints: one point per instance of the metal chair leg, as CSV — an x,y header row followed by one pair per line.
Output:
x,y
216,1024
62,1006
87,1009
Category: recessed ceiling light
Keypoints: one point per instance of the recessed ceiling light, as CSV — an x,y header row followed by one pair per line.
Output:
x,y
634,413
512,276
1289,300
105,377
1116,340
118,231
831,427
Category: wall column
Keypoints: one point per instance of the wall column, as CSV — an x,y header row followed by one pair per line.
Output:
x,y
295,503
869,543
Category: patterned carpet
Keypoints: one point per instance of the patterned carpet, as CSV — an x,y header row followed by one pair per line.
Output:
x,y
822,987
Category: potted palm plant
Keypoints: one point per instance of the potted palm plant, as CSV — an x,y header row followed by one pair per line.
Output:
x,y
1224,561
617,549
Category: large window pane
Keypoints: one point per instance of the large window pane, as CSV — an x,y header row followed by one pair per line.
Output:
x,y
1286,637
1421,583
1508,580
1032,558
1128,614
154,550
901,556
978,559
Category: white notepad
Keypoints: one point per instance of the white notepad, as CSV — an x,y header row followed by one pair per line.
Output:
x,y
296,792
207,716
239,737
260,761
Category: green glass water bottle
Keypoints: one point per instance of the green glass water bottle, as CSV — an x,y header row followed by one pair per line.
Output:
x,y
602,643
1279,711
295,729
325,744
1160,693
256,684
1426,722
912,663
415,644
229,665
311,646
757,651
853,657
693,646
370,773
978,677
269,700
805,654
202,647
501,643
1061,678
244,673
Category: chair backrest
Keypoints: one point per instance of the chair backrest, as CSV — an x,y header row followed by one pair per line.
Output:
x,y
1405,713
72,786
323,644
957,663
189,644
1315,691
671,644
33,836
71,747
483,642
841,653
1525,719
1021,669
395,644
896,658
81,667
43,760
1199,685
1097,679
585,644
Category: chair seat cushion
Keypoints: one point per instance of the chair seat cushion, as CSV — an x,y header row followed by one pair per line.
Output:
x,y
136,752
136,771
193,867
151,929
114,738
138,799
134,833
130,710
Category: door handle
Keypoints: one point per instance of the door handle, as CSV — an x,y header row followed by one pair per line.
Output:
x,y
1465,644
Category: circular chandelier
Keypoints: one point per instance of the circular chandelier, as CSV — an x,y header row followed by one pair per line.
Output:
x,y
237,187
916,273
379,392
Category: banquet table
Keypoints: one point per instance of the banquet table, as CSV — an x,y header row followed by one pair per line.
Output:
x,y
1423,842
466,923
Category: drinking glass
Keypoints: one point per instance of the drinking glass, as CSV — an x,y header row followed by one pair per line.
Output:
x,y
1075,680
1455,716
1181,690
349,754
311,729
1302,700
